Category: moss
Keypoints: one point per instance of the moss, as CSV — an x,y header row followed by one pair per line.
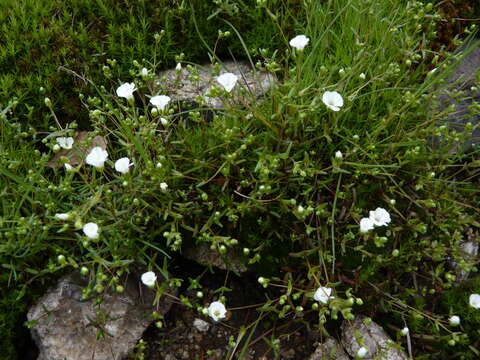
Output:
x,y
13,334
40,38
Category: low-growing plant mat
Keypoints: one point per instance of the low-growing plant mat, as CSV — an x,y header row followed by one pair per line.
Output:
x,y
327,189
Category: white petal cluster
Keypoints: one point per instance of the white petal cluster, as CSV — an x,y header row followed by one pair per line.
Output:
x,y
454,320
126,90
228,81
97,157
62,216
91,230
333,100
68,167
366,224
362,352
149,278
299,42
378,217
160,101
122,165
65,142
217,311
323,294
474,301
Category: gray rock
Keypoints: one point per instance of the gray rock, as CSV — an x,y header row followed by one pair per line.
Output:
x,y
187,86
330,349
81,147
373,337
65,327
201,325
462,94
468,252
202,254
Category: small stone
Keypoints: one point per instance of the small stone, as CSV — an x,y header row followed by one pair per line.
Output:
x,y
202,254
65,327
201,325
462,79
329,349
373,338
80,150
288,354
468,251
182,88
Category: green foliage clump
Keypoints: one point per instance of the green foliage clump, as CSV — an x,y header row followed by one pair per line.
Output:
x,y
12,334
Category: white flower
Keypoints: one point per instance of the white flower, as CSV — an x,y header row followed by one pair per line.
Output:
x,y
322,294
333,100
91,230
149,278
164,186
97,157
454,320
65,142
123,165
144,72
362,352
362,76
62,216
160,101
405,331
68,167
163,121
126,90
366,224
339,155
216,310
474,301
178,67
380,217
299,42
227,80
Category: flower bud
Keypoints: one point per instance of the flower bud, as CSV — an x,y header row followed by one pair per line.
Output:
x,y
454,320
362,352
